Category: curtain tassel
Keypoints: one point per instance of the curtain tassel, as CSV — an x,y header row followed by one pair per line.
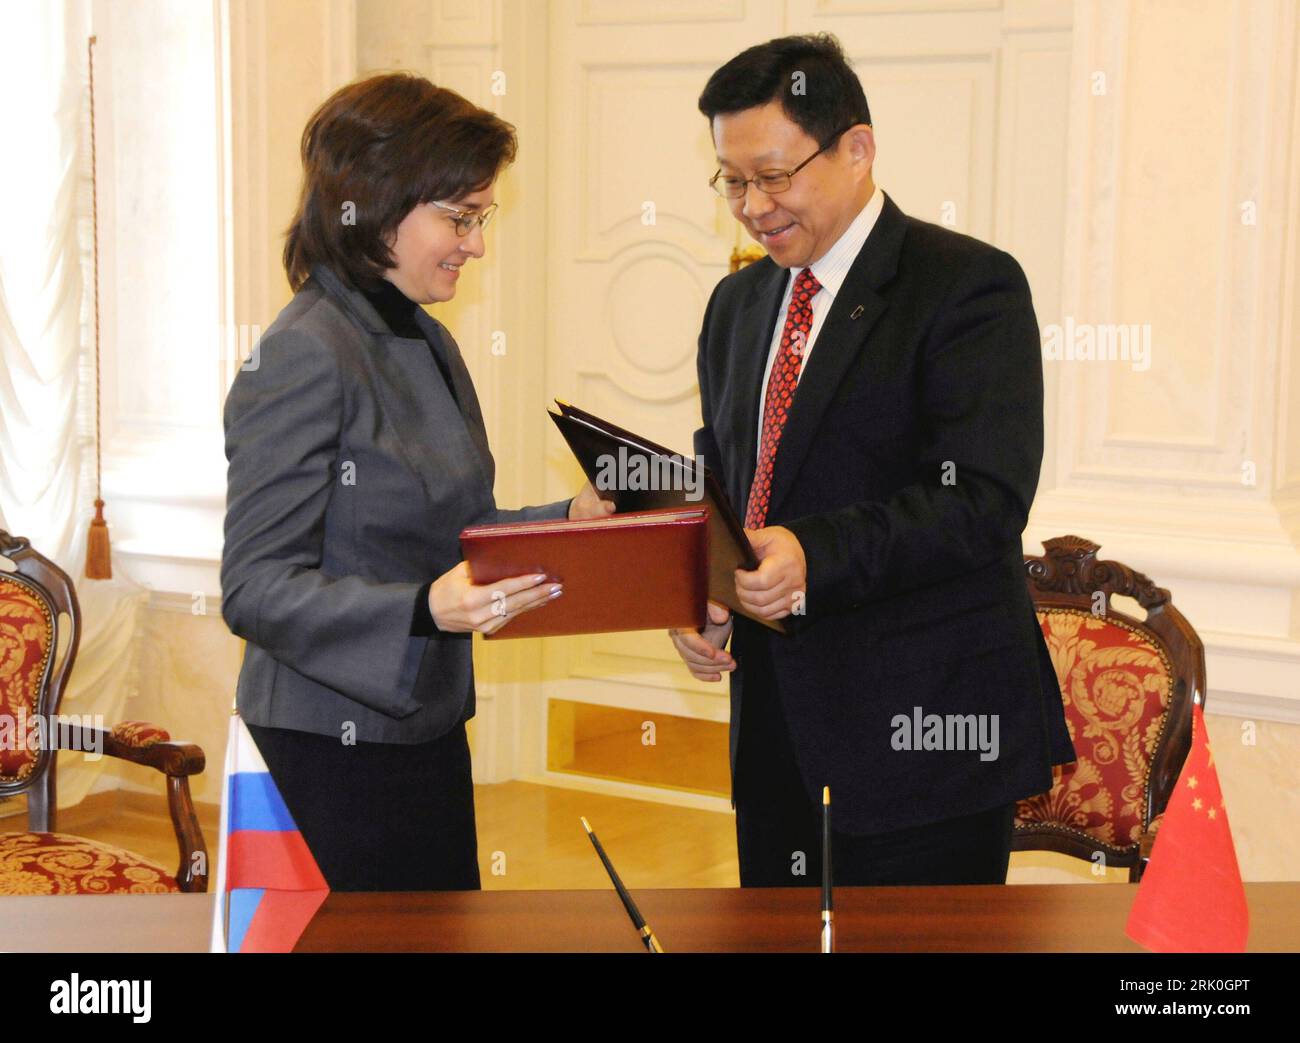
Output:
x,y
99,558
99,554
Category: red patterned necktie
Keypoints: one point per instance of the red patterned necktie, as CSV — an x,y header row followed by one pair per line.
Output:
x,y
780,392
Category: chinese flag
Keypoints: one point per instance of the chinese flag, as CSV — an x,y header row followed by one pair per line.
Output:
x,y
1191,898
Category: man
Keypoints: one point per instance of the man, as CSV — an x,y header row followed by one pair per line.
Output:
x,y
872,399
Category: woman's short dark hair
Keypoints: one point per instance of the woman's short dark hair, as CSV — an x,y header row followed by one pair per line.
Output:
x,y
808,75
371,153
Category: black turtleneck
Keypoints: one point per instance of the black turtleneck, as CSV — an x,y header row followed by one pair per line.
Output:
x,y
398,312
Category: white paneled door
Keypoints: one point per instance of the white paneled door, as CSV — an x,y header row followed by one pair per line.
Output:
x,y
969,100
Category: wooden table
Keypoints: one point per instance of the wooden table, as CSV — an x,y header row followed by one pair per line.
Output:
x,y
1018,918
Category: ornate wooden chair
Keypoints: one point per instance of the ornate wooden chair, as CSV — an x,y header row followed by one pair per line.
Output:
x,y
1128,686
35,597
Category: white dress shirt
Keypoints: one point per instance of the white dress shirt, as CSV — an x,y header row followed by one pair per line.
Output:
x,y
829,270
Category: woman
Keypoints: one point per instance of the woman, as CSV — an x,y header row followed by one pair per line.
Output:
x,y
357,454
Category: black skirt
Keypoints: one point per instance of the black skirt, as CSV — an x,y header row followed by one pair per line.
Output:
x,y
379,816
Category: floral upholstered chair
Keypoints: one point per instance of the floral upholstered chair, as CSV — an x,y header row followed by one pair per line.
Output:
x,y
1128,686
38,605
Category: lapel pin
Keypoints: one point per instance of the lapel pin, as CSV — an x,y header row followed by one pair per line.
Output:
x,y
857,311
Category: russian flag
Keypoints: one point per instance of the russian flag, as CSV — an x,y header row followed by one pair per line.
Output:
x,y
268,885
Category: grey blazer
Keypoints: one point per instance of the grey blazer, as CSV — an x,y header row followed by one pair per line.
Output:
x,y
352,472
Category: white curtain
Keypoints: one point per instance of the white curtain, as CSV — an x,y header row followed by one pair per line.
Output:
x,y
46,351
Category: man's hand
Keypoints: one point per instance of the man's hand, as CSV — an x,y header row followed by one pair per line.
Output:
x,y
702,650
768,591
588,504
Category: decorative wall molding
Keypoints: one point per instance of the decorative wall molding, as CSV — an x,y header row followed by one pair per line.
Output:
x,y
658,12
631,791
1180,470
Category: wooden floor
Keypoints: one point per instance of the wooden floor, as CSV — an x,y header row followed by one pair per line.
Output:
x,y
534,833
529,836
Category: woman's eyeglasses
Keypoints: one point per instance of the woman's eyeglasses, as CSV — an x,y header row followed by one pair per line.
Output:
x,y
769,181
465,220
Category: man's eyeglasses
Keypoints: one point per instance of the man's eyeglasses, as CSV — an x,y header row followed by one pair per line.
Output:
x,y
769,181
465,220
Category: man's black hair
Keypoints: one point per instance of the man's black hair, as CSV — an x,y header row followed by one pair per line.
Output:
x,y
808,75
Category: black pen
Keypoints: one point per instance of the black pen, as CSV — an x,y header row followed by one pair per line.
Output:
x,y
828,925
643,928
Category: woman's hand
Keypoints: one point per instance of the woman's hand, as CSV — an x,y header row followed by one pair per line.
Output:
x,y
702,650
457,604
588,504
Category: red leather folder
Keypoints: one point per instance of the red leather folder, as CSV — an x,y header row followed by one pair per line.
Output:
x,y
645,570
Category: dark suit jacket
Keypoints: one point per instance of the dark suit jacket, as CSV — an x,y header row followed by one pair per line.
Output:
x,y
926,367
351,473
